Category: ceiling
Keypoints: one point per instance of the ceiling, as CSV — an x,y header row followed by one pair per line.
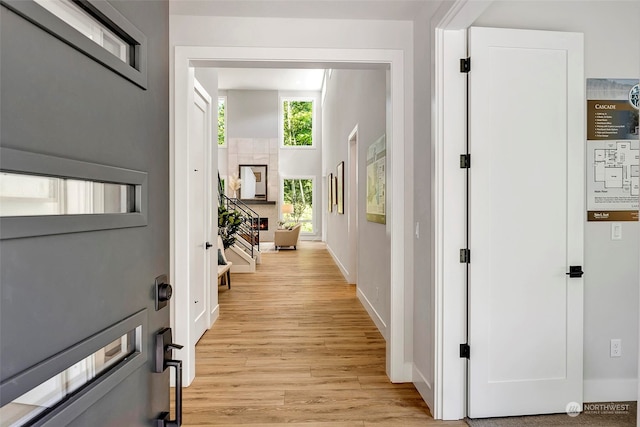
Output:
x,y
270,79
403,10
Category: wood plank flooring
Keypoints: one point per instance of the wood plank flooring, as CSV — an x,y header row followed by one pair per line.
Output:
x,y
293,346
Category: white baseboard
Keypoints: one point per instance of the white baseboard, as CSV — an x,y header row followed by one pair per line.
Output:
x,y
342,268
614,390
424,387
382,327
213,316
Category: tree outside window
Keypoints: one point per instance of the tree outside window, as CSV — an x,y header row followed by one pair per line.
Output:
x,y
299,193
297,123
222,120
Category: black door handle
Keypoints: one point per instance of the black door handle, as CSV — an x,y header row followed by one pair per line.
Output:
x,y
163,420
575,271
208,245
164,348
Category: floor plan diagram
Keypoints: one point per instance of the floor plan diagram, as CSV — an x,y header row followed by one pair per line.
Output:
x,y
617,166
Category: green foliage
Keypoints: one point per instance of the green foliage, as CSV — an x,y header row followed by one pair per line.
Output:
x,y
299,192
229,223
298,126
222,107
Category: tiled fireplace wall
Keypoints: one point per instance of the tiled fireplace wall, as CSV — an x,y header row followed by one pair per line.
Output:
x,y
258,151
255,151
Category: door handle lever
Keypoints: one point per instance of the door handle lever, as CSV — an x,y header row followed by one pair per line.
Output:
x,y
208,245
173,345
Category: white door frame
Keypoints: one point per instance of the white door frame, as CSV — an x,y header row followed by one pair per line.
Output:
x,y
400,326
449,141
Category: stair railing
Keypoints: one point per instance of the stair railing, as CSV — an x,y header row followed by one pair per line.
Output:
x,y
248,235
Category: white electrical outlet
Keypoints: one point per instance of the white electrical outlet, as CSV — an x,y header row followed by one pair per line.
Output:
x,y
616,348
616,231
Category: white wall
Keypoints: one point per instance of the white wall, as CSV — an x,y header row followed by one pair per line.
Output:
x,y
612,49
358,97
250,114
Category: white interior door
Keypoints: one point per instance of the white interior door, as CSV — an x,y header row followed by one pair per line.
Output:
x,y
198,187
526,219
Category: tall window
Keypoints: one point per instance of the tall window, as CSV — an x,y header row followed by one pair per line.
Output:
x,y
222,120
299,193
297,122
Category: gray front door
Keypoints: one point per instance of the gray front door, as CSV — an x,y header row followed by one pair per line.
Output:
x,y
84,229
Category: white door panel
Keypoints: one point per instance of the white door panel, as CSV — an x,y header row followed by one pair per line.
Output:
x,y
198,277
526,212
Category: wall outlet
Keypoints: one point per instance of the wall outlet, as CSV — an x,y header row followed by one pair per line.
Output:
x,y
616,231
616,348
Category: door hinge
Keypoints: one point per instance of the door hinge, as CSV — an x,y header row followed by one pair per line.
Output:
x,y
465,65
465,256
465,161
575,271
465,351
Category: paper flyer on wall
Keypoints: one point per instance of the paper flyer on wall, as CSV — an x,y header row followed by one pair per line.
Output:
x,y
613,145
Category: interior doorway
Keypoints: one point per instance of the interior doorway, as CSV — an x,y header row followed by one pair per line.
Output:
x,y
352,221
399,327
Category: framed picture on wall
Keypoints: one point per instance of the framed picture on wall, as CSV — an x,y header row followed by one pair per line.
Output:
x,y
330,192
377,181
340,189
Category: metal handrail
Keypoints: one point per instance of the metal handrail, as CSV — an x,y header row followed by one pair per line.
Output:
x,y
248,236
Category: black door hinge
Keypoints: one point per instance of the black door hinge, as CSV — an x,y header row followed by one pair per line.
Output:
x,y
465,65
465,161
575,271
465,256
465,351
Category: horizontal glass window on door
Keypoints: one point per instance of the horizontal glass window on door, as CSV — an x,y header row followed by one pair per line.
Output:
x,y
34,195
40,400
89,26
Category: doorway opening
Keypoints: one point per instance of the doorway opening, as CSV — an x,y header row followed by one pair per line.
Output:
x,y
399,327
352,221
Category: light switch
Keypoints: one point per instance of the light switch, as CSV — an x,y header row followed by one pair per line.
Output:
x,y
616,231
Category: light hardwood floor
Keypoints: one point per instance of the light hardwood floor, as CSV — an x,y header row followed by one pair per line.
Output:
x,y
293,346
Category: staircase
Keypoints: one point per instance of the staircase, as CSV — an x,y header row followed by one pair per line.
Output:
x,y
245,253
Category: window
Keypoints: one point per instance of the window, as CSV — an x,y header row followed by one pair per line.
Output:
x,y
222,120
43,195
94,30
26,195
56,389
299,193
93,27
297,122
